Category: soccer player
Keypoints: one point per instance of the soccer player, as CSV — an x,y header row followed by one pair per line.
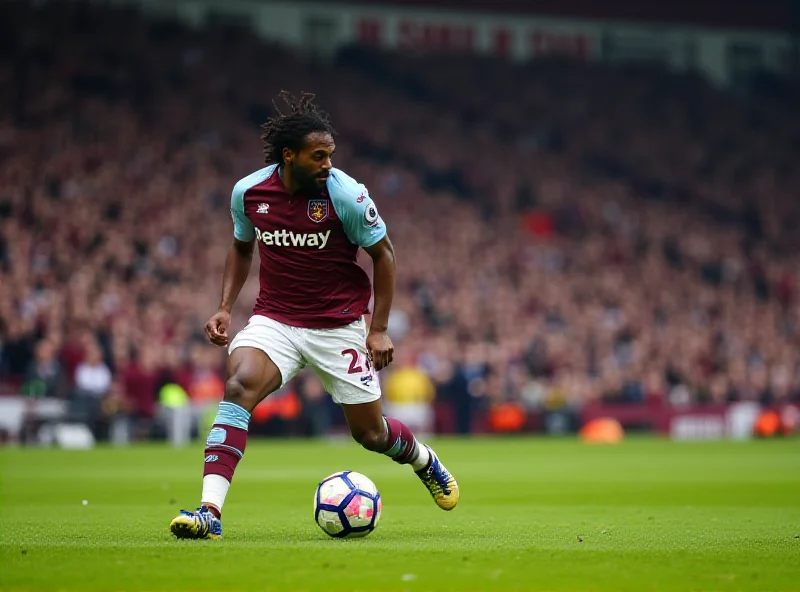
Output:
x,y
309,220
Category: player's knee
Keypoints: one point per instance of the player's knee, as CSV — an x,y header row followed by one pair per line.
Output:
x,y
374,440
236,393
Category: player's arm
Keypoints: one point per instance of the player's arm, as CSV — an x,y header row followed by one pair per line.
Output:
x,y
365,228
237,267
385,270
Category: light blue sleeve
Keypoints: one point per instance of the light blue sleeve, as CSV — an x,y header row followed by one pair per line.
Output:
x,y
355,208
243,229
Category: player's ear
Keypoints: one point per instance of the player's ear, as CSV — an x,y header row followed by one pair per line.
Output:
x,y
288,154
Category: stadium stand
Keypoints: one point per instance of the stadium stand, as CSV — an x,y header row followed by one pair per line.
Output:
x,y
566,233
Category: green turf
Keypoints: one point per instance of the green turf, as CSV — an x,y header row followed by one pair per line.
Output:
x,y
535,515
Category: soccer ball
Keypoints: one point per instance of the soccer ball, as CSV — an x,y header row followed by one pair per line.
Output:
x,y
347,504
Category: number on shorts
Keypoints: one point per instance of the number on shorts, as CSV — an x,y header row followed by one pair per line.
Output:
x,y
355,367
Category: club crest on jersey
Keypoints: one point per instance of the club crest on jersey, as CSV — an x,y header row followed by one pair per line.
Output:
x,y
318,210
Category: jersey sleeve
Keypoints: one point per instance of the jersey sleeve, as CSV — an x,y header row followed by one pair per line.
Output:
x,y
355,208
243,229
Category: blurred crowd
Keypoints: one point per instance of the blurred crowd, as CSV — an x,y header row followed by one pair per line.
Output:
x,y
565,232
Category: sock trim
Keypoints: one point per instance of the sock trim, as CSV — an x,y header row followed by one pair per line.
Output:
x,y
233,415
238,452
404,450
396,448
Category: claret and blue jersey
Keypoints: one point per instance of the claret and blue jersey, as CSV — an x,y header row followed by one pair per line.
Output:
x,y
308,246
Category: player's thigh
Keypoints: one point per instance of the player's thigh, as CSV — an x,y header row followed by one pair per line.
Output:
x,y
339,357
251,376
262,357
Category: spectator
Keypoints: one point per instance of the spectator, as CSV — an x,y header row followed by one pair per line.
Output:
x,y
408,394
206,387
452,387
92,382
140,380
315,416
92,376
45,377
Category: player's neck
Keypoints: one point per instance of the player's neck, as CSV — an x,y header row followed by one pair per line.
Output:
x,y
286,179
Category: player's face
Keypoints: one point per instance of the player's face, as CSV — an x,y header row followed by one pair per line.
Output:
x,y
312,164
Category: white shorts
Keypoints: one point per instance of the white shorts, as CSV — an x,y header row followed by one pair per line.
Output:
x,y
338,356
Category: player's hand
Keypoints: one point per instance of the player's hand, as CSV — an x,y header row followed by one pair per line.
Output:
x,y
380,349
217,328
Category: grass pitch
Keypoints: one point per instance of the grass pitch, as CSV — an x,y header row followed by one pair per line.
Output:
x,y
534,515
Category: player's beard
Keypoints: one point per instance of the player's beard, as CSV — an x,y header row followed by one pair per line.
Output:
x,y
307,182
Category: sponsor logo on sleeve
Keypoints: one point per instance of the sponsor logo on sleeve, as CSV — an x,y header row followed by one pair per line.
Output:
x,y
371,217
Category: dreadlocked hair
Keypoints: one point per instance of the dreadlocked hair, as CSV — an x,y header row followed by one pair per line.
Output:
x,y
289,129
